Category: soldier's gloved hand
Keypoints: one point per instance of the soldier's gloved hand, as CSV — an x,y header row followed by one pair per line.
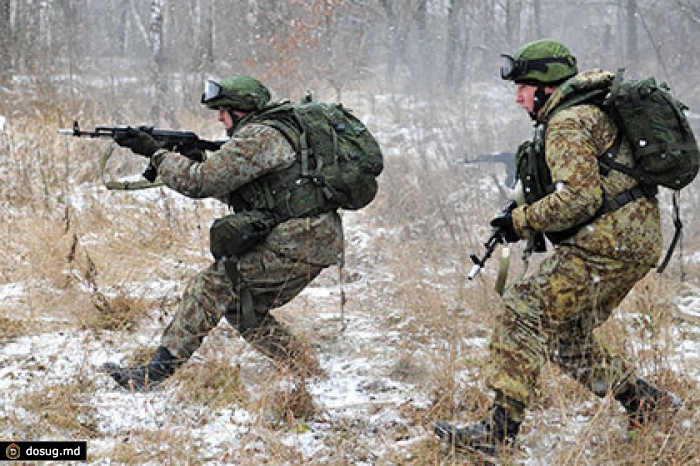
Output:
x,y
504,222
138,141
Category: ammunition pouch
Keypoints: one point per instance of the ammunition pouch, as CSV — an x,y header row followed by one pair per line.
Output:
x,y
286,193
235,234
533,171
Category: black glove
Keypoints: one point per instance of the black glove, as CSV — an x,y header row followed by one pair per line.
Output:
x,y
504,223
138,141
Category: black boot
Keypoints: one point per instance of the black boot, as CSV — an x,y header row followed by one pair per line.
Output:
x,y
645,403
485,436
160,367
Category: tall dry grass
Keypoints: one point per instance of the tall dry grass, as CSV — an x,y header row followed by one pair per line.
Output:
x,y
95,261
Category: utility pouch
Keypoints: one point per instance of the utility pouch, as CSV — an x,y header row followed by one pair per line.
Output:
x,y
235,234
533,172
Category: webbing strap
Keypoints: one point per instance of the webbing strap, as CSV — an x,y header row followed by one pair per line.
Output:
x,y
663,147
614,88
676,235
122,185
624,198
343,298
246,313
304,154
503,266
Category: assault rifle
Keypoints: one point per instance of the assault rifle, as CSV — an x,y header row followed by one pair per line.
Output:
x,y
536,243
506,158
495,239
186,143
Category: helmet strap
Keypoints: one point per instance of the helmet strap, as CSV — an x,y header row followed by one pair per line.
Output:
x,y
235,118
539,100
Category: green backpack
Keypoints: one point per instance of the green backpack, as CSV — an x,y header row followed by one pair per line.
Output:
x,y
664,148
338,150
338,162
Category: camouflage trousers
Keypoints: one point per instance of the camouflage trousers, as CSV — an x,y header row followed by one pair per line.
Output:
x,y
210,295
550,316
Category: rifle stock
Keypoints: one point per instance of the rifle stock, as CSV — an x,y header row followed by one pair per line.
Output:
x,y
506,158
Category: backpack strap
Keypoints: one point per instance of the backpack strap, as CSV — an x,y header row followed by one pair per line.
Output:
x,y
614,88
677,234
608,205
304,151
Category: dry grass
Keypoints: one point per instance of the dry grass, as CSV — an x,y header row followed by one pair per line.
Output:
x,y
62,409
12,328
215,384
91,261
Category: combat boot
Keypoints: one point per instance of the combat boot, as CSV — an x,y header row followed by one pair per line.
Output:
x,y
645,403
496,430
161,366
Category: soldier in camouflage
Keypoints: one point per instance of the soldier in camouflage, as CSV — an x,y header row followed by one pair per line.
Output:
x,y
607,236
245,288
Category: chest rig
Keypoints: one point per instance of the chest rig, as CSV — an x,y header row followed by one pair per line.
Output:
x,y
536,178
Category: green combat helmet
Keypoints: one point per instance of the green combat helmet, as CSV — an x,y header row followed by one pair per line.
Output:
x,y
240,93
544,61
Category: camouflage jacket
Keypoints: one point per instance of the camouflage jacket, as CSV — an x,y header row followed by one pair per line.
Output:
x,y
253,151
573,140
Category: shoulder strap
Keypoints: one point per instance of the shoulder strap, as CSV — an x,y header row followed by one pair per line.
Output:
x,y
614,89
677,234
594,97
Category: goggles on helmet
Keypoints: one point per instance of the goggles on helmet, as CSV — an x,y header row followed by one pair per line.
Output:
x,y
512,69
212,90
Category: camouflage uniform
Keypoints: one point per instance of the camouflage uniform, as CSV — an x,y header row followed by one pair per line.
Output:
x,y
275,271
551,314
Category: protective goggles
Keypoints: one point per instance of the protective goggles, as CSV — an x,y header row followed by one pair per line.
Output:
x,y
512,69
212,90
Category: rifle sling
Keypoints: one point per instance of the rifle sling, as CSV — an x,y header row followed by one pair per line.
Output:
x,y
503,266
123,185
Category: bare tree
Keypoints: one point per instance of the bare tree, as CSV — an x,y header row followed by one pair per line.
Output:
x,y
206,34
632,53
413,45
155,36
691,8
512,24
5,41
457,38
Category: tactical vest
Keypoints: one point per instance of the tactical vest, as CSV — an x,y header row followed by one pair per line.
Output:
x,y
284,193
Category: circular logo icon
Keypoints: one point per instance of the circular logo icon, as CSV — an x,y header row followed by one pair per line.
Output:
x,y
12,451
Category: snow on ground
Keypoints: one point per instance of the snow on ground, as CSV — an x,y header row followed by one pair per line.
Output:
x,y
358,387
359,391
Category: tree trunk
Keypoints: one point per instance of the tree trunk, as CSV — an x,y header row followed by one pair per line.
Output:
x,y
632,54
5,41
206,30
455,54
425,61
513,9
155,38
393,34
